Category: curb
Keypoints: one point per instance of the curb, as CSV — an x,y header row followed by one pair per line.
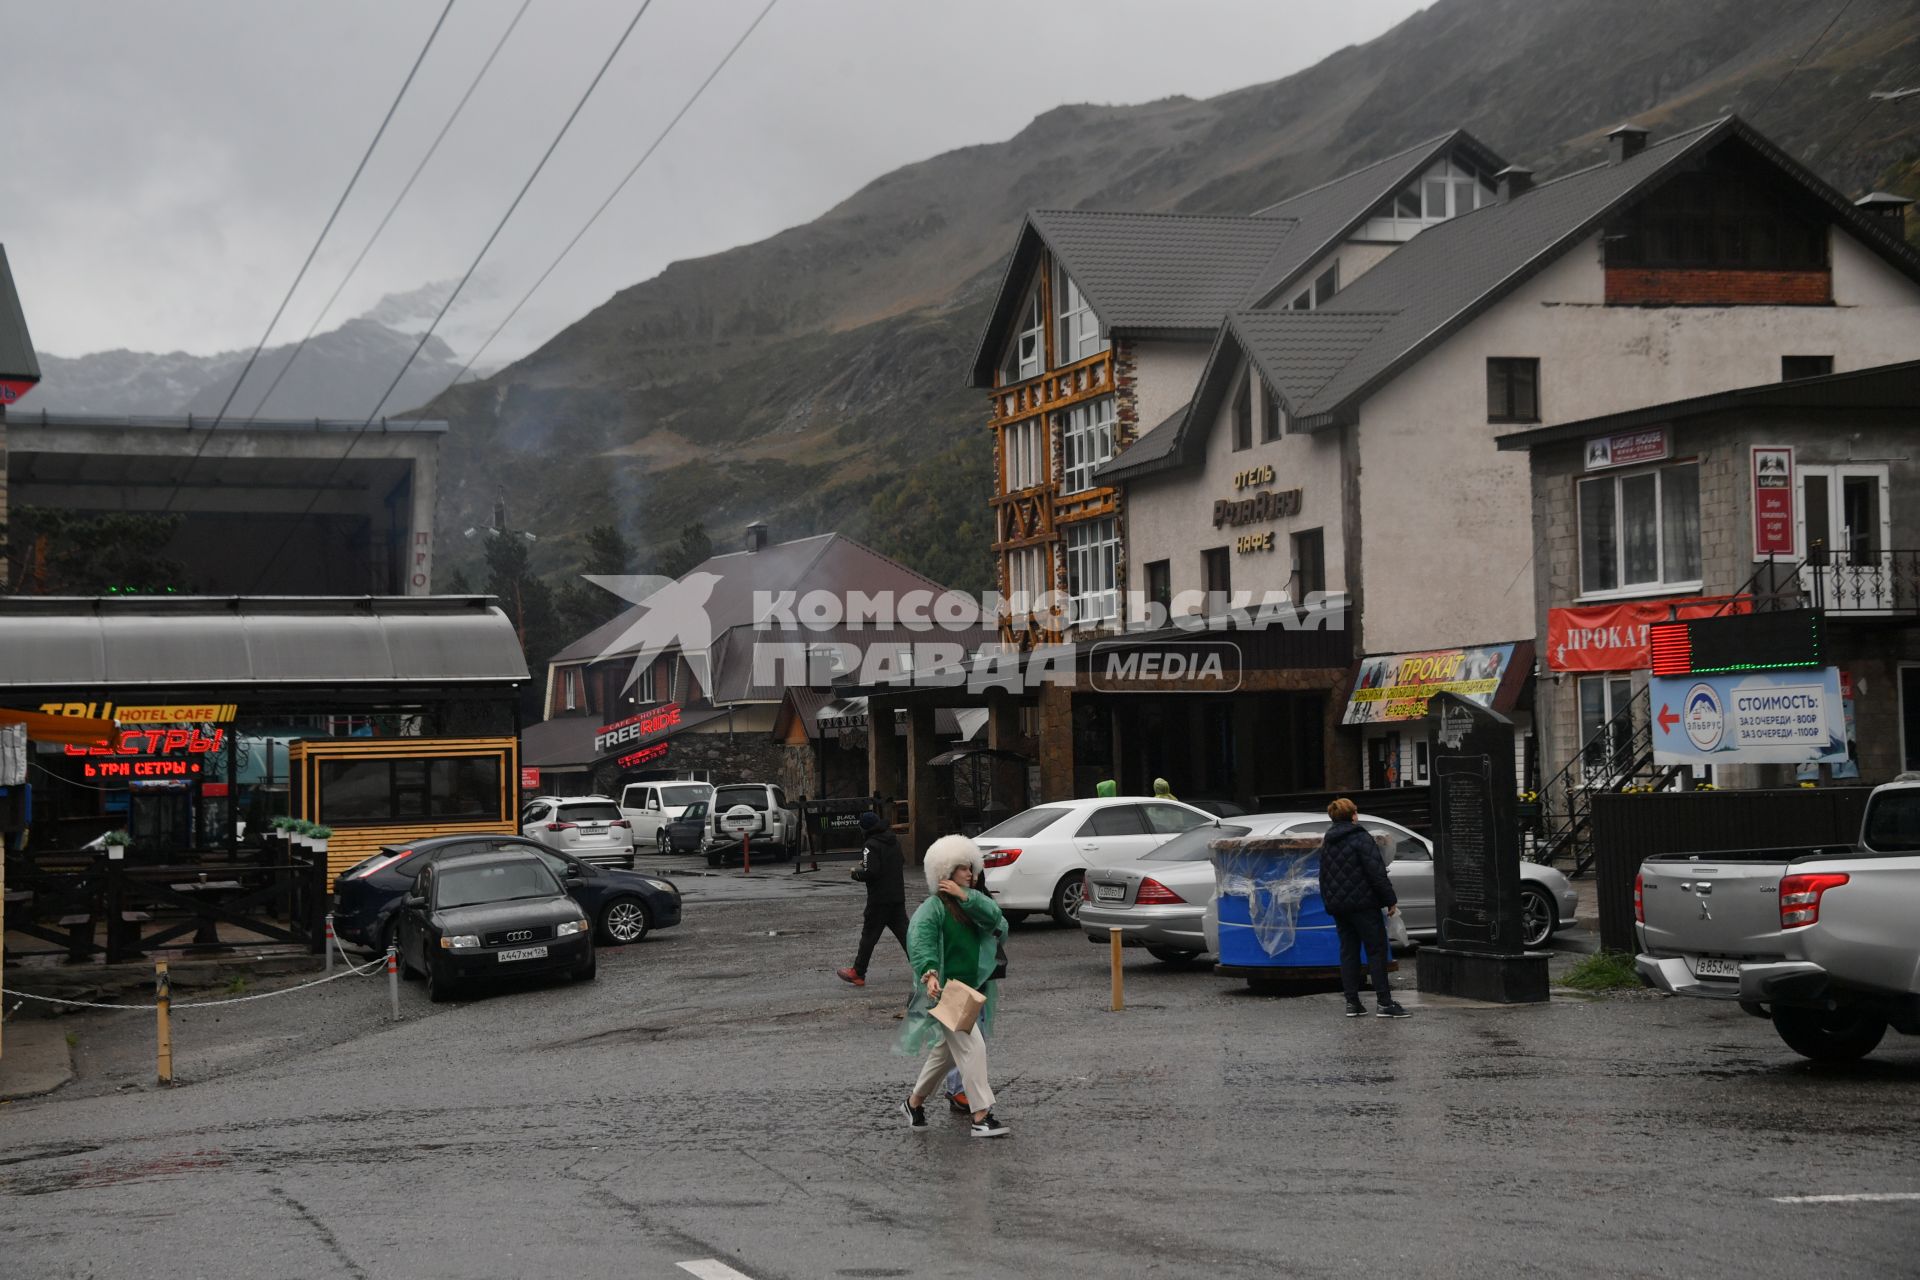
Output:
x,y
35,1059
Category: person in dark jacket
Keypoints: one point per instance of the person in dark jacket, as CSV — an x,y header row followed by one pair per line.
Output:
x,y
883,869
1354,888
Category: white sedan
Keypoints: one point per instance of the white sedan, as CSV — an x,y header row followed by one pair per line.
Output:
x,y
1037,860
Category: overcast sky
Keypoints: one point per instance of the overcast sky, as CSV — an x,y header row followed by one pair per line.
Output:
x,y
170,164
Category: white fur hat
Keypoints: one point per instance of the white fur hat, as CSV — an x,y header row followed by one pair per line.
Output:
x,y
948,853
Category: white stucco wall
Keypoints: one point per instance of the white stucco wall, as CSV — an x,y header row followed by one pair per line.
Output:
x,y
1356,258
1165,374
1446,521
1170,517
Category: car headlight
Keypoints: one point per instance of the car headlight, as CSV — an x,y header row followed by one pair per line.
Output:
x,y
664,886
459,941
570,927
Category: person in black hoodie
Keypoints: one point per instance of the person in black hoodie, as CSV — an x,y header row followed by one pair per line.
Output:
x,y
1354,888
883,869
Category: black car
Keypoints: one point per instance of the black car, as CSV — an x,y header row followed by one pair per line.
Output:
x,y
491,915
686,833
624,905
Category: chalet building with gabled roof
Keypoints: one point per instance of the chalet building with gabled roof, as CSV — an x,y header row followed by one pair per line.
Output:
x,y
1704,261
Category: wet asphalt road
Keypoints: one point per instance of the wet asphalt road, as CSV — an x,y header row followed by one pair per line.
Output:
x,y
716,1094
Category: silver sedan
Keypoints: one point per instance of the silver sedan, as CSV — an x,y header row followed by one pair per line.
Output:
x,y
1160,902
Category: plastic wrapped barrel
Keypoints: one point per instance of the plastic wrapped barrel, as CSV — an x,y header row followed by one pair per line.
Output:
x,y
1266,919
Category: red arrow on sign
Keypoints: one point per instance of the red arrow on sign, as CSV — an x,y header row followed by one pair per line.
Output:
x,y
1667,719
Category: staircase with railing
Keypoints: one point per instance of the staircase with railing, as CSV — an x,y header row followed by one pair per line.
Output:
x,y
1618,757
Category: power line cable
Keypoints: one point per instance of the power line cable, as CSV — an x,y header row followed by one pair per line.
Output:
x,y
391,210
338,205
621,186
452,297
1802,58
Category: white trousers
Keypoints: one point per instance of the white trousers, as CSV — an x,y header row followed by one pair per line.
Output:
x,y
968,1054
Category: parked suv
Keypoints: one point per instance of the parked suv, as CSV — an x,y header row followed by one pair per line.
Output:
x,y
649,806
778,828
588,827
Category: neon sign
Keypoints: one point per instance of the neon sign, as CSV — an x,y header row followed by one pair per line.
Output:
x,y
169,753
638,727
645,755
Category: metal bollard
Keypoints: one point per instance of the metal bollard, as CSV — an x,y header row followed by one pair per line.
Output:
x,y
329,968
162,1018
393,979
746,854
1119,999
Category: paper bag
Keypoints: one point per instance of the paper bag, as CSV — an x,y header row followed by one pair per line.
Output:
x,y
959,1007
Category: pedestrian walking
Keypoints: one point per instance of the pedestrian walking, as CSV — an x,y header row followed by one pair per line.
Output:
x,y
1354,889
883,869
954,937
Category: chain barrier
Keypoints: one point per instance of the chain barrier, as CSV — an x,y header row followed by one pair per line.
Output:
x,y
360,970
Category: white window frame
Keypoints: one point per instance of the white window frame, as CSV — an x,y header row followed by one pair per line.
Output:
x,y
1388,223
1093,563
1077,332
1086,441
1026,463
1026,354
568,688
1623,590
1308,299
1861,588
1028,579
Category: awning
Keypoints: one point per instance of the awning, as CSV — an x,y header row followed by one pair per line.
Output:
x,y
1393,688
80,731
109,643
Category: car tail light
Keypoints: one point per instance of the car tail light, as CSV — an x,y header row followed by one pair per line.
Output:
x,y
621,822
381,865
562,826
999,857
1800,896
1154,894
1639,906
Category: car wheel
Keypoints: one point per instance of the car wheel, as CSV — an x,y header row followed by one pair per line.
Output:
x,y
441,986
1014,917
1829,1035
624,920
660,839
1537,916
1173,955
1067,897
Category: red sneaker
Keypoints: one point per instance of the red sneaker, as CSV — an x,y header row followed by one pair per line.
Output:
x,y
849,976
957,1103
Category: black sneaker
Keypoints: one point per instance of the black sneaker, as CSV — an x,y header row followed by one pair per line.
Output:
x,y
1392,1010
989,1128
916,1117
1355,1009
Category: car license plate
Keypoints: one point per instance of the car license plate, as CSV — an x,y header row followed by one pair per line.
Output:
x,y
524,953
1109,893
1715,967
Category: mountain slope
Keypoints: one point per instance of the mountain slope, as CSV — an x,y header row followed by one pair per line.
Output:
x,y
816,379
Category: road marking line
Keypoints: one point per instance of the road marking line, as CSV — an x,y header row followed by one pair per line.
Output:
x,y
712,1269
1857,1197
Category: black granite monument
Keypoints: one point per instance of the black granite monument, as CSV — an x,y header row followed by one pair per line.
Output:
x,y
1476,860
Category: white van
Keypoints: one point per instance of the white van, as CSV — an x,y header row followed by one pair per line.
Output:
x,y
649,806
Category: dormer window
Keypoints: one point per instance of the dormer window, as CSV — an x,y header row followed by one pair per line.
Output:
x,y
1320,292
1026,353
1078,335
1447,190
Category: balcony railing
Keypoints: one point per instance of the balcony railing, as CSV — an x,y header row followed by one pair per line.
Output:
x,y
1846,584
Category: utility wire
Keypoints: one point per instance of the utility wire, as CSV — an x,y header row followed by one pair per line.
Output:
x,y
621,186
392,209
338,205
451,298
1802,58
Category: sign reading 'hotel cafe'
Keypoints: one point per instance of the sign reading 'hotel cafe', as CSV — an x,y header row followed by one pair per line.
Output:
x,y
1263,507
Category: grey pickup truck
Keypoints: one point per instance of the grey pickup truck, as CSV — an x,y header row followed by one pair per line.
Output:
x,y
1825,942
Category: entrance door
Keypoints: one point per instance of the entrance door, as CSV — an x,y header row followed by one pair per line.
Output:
x,y
1845,510
1604,760
160,819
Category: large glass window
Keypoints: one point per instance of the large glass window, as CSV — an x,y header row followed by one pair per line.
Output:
x,y
1641,531
1027,578
1086,441
1078,335
1026,454
1026,352
1093,554
1717,220
1446,190
382,792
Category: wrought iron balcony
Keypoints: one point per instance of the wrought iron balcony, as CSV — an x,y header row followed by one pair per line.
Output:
x,y
1848,585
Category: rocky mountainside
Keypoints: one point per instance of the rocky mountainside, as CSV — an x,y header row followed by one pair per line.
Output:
x,y
339,375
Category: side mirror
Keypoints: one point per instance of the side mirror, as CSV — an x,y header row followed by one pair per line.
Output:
x,y
414,900
576,873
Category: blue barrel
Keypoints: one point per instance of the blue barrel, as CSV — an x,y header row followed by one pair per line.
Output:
x,y
1316,942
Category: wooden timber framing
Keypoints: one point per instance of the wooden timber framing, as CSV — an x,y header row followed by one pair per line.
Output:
x,y
351,844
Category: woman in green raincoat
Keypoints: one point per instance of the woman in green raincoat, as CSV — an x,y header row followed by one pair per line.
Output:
x,y
955,934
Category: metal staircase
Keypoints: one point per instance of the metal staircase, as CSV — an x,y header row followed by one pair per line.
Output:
x,y
1619,757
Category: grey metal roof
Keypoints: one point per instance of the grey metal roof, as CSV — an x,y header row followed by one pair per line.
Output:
x,y
143,422
1884,386
1329,213
1152,446
1152,273
567,742
121,642
17,361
